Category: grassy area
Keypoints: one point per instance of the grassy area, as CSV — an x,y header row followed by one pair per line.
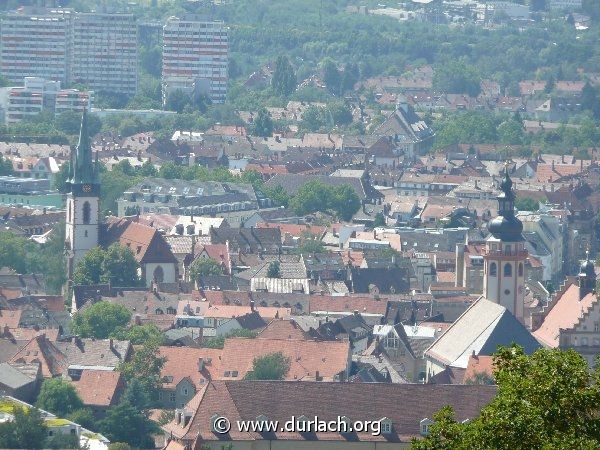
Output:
x,y
7,406
57,422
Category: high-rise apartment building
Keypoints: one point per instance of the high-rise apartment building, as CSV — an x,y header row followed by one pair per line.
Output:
x,y
104,52
195,57
34,42
98,50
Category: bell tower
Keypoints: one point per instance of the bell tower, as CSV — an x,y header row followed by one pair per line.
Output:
x,y
83,201
505,255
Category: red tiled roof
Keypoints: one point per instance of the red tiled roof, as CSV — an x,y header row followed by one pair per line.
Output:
x,y
99,387
282,329
328,358
347,304
479,365
405,405
9,319
183,362
565,314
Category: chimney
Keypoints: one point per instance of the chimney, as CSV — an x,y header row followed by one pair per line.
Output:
x,y
201,364
252,305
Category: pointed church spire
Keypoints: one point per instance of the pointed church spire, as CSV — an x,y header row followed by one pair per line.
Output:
x,y
84,168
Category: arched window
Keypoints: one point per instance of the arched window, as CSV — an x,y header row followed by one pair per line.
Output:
x,y
87,212
520,269
493,269
507,270
159,274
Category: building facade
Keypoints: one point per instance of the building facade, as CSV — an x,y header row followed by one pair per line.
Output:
x,y
98,50
35,42
83,202
195,57
39,95
104,52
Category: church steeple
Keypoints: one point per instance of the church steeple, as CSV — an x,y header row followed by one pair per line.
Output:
x,y
506,226
83,171
587,277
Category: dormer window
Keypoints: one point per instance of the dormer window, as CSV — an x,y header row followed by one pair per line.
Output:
x,y
386,425
424,426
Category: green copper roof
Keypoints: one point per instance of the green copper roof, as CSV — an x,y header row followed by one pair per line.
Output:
x,y
82,168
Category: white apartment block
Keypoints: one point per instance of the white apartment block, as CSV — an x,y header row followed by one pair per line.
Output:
x,y
35,42
570,5
98,50
40,95
104,52
195,56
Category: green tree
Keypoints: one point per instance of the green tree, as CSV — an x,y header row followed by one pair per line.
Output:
x,y
340,113
205,266
350,77
313,119
89,269
145,366
84,417
26,430
263,124
115,264
124,423
457,77
310,245
120,266
60,179
59,397
6,167
120,446
331,75
284,78
136,395
274,270
100,320
274,366
379,220
177,101
140,334
278,194
147,169
547,400
62,441
511,132
526,204
345,202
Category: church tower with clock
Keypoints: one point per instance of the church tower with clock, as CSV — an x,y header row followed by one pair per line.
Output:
x,y
505,255
83,201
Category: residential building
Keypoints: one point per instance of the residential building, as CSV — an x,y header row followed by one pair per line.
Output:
x,y
39,95
35,42
157,195
571,5
404,412
410,134
572,318
29,192
195,57
104,52
99,389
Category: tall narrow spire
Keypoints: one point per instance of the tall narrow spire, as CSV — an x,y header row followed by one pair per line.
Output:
x,y
84,168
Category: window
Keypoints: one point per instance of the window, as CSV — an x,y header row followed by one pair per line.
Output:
x,y
493,269
584,341
386,425
596,326
507,270
185,391
520,269
85,233
87,212
172,397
